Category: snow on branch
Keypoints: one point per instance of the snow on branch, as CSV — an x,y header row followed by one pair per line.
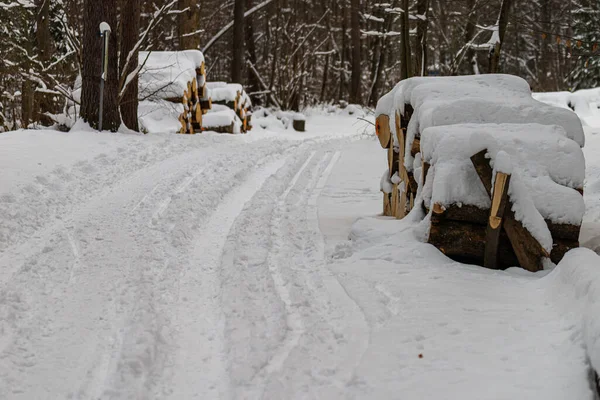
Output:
x,y
370,17
227,27
156,18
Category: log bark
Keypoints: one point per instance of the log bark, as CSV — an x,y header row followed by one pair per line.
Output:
x,y
421,45
406,64
130,27
416,147
560,248
237,60
96,12
479,216
465,242
502,25
355,95
528,250
188,24
43,101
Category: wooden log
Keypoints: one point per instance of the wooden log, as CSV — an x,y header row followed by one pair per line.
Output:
x,y
528,250
402,204
416,147
398,123
221,129
412,184
476,215
387,205
205,104
203,92
395,201
198,114
560,247
408,112
494,226
424,170
382,130
390,157
195,96
564,231
464,213
465,242
183,128
482,166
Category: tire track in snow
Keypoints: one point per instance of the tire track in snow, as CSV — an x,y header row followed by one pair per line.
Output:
x,y
294,322
200,363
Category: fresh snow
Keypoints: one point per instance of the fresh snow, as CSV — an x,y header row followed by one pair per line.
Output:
x,y
210,266
165,74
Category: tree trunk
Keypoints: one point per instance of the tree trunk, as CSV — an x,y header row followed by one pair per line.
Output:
x,y
253,84
27,92
96,12
130,25
237,57
502,24
355,33
421,49
43,102
406,68
189,22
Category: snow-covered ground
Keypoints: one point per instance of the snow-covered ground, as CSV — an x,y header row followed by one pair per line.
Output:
x,y
219,267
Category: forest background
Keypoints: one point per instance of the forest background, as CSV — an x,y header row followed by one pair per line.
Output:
x,y
289,53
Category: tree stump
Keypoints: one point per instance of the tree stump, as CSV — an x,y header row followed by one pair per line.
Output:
x,y
299,125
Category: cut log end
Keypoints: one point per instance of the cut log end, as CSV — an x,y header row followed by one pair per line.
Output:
x,y
382,129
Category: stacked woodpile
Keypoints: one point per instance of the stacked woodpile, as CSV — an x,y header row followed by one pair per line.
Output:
x,y
178,77
234,97
196,102
474,216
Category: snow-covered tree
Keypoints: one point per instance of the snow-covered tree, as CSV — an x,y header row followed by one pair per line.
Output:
x,y
586,73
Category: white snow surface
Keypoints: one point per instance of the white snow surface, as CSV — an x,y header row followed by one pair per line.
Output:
x,y
166,73
210,266
583,102
548,167
221,116
220,91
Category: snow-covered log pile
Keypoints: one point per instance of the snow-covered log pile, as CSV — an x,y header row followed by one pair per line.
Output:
x,y
178,77
499,173
233,96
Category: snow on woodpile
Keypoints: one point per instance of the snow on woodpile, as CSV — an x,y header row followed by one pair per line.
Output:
x,y
224,92
222,119
166,74
490,84
547,167
456,102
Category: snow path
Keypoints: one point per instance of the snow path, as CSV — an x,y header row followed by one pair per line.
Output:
x,y
218,267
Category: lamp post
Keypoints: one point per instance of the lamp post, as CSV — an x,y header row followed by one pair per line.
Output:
x,y
104,34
